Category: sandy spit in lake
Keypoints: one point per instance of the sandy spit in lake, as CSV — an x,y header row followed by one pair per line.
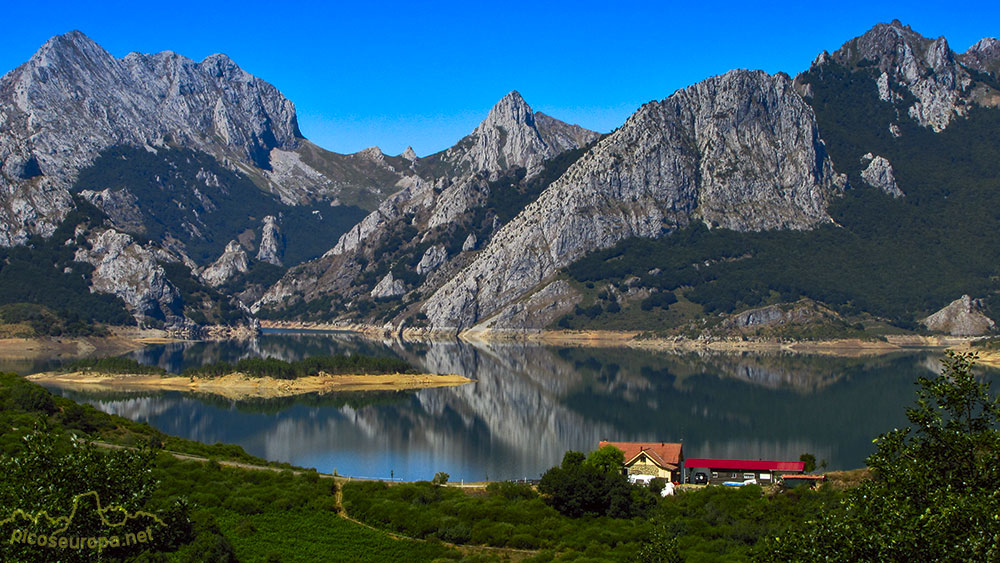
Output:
x,y
241,386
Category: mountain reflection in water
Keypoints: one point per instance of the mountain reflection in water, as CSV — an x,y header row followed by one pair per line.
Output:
x,y
530,403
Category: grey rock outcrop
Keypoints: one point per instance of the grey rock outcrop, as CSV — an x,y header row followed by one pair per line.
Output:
x,y
539,310
231,263
121,207
388,287
879,174
271,242
803,312
73,99
740,151
125,268
962,317
432,258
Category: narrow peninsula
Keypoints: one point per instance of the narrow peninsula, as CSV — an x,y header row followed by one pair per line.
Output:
x,y
251,378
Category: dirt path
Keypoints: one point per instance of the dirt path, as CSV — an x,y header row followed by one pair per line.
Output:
x,y
506,553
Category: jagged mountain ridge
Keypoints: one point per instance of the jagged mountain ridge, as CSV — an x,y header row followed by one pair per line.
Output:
x,y
984,56
914,231
512,135
425,232
611,195
72,102
437,211
740,151
924,78
73,99
928,80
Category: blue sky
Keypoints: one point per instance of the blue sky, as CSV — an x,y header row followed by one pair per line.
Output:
x,y
406,73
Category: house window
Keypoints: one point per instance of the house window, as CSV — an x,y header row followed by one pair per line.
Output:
x,y
765,476
748,475
715,475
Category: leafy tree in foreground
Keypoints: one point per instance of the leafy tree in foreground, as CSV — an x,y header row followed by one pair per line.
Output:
x,y
101,494
935,495
594,486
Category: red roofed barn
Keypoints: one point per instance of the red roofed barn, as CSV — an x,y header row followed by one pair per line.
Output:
x,y
657,459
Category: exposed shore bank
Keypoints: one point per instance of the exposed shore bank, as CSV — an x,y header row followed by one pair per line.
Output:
x,y
240,386
844,347
127,339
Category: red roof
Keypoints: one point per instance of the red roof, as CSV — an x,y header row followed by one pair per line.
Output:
x,y
663,453
746,464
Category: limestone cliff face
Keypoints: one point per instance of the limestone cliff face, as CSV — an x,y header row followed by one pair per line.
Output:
x,y
962,317
922,75
129,270
72,99
740,151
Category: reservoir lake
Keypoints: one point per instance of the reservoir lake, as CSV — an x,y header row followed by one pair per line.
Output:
x,y
530,403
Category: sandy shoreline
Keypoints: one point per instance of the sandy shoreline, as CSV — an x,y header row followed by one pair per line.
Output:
x,y
240,386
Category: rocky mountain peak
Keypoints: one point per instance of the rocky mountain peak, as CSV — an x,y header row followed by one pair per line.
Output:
x,y
221,66
511,110
741,151
511,136
984,56
507,137
374,154
73,99
409,154
907,62
73,44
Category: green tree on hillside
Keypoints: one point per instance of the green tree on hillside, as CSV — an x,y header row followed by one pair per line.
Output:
x,y
100,493
934,495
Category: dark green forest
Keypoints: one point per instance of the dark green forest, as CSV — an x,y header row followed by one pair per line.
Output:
x,y
900,259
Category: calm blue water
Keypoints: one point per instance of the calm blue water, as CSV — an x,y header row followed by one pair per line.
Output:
x,y
529,404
